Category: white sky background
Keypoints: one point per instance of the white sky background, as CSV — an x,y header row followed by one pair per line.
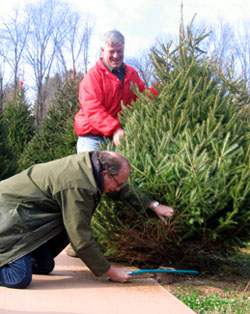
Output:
x,y
142,21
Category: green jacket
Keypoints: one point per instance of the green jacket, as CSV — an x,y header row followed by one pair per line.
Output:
x,y
46,199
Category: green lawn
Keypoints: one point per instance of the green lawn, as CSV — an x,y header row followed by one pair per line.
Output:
x,y
225,288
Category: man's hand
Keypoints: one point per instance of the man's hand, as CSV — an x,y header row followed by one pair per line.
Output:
x,y
118,274
163,211
116,136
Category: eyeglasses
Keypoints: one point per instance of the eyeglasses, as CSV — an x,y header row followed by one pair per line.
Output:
x,y
119,185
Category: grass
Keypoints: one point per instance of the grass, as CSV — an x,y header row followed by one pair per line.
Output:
x,y
223,289
205,303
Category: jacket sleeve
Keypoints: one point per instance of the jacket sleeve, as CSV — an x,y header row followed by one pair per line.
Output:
x,y
133,196
77,207
91,98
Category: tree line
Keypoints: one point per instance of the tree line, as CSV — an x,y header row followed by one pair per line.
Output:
x,y
38,42
46,42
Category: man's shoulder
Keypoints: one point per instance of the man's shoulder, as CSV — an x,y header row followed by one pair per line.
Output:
x,y
130,70
95,71
74,171
99,66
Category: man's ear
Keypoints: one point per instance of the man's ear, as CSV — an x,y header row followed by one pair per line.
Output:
x,y
104,172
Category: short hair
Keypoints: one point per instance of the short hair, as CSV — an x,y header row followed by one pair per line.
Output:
x,y
111,161
113,37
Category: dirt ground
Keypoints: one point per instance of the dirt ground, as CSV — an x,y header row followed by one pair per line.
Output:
x,y
207,285
232,278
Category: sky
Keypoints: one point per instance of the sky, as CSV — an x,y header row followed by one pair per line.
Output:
x,y
142,21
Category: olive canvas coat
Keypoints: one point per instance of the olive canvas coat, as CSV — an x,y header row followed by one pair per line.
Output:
x,y
43,201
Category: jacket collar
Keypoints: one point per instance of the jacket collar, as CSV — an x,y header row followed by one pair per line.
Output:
x,y
104,66
122,67
97,172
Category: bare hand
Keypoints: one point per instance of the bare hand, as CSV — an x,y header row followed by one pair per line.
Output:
x,y
163,211
118,274
116,136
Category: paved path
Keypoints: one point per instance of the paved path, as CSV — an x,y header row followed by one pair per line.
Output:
x,y
72,289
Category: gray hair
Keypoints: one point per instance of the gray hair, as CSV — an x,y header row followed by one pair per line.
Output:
x,y
113,37
111,161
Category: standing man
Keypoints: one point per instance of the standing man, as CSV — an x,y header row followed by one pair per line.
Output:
x,y
101,93
50,204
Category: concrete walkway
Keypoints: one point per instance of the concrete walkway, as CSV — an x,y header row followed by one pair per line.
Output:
x,y
72,289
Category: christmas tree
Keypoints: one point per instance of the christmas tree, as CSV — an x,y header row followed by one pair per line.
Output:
x,y
56,137
189,149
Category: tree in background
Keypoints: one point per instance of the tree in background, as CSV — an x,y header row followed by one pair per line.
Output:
x,y
76,43
230,47
242,51
4,151
17,130
14,34
45,38
56,137
47,30
1,90
188,148
143,66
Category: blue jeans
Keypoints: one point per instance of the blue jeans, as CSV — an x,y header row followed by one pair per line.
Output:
x,y
89,143
18,274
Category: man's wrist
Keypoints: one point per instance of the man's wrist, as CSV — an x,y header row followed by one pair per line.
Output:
x,y
109,271
117,129
154,205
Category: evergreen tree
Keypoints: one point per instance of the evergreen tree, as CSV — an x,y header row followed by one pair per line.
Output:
x,y
4,151
188,148
56,137
18,129
19,124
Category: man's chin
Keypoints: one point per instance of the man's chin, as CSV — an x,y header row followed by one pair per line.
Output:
x,y
116,65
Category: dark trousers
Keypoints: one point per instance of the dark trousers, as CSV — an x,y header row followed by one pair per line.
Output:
x,y
18,274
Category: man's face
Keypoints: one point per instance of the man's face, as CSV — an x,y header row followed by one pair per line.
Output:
x,y
113,55
114,183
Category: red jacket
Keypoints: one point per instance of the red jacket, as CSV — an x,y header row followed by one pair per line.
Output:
x,y
100,97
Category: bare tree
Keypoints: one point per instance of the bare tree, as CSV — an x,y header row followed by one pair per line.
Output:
x,y
14,34
143,66
47,29
242,51
1,91
1,78
231,49
57,34
220,45
76,43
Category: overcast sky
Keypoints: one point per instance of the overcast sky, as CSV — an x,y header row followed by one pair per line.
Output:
x,y
142,21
